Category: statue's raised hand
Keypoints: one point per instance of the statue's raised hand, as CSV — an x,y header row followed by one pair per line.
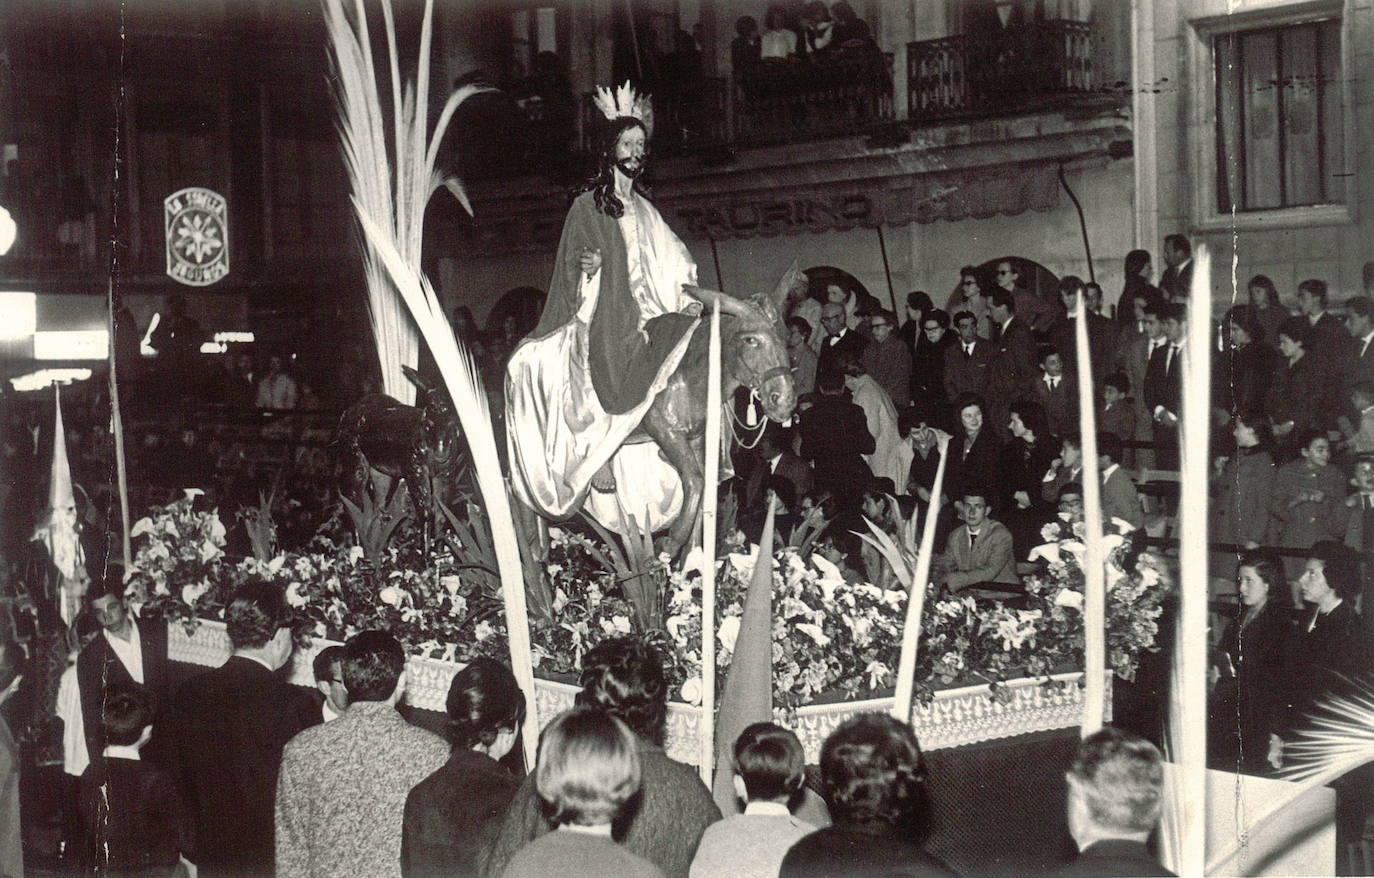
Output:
x,y
590,261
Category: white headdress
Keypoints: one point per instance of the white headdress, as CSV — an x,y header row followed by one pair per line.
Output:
x,y
625,101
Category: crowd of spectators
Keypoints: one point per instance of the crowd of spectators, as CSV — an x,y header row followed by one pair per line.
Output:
x,y
240,773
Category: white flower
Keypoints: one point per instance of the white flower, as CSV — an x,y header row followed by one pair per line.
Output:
x,y
1067,597
1111,541
169,528
192,493
877,673
450,582
1050,532
861,627
560,600
158,550
457,605
208,551
674,627
191,593
728,632
621,624
141,527
390,595
217,530
294,596
483,631
320,630
691,690
815,633
696,560
830,578
355,554
275,564
1149,577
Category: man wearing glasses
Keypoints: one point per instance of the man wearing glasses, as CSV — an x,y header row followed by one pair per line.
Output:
x,y
1038,315
840,341
887,359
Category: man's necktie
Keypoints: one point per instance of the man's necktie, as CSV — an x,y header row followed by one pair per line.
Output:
x,y
1053,383
972,538
968,350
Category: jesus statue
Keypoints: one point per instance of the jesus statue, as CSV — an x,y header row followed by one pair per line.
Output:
x,y
614,328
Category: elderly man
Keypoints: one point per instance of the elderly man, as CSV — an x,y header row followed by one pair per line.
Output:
x,y
840,342
343,786
1116,786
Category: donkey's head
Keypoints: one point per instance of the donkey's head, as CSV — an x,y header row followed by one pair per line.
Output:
x,y
754,345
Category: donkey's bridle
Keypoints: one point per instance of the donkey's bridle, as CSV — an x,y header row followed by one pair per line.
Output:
x,y
769,374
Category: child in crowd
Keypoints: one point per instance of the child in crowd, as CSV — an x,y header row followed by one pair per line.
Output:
x,y
1309,495
770,768
588,771
132,810
1117,414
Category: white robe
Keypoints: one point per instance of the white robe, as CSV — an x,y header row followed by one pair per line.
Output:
x,y
887,458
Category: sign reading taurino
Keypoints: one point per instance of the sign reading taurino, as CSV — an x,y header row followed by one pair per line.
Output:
x,y
197,236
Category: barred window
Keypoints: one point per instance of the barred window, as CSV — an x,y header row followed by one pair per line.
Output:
x,y
1279,122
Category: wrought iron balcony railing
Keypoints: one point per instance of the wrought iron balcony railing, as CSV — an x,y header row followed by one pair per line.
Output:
x,y
982,75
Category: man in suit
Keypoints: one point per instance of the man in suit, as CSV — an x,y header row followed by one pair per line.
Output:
x,y
1014,370
834,438
1359,322
776,460
1164,384
967,361
1116,790
979,551
1103,334
1177,281
1330,346
1134,360
1119,496
343,785
228,727
888,359
801,356
127,650
1035,312
840,341
1057,395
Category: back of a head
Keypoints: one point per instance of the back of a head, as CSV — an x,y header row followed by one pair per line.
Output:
x,y
126,711
588,767
325,660
771,761
871,770
1340,567
1120,778
483,700
624,677
256,613
373,662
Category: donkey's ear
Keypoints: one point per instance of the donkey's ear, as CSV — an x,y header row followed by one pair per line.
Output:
x,y
727,303
794,276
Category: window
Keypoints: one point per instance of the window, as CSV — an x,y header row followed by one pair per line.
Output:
x,y
1270,132
533,30
1279,117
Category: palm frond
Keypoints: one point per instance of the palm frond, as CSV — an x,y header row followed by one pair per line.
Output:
x,y
1339,740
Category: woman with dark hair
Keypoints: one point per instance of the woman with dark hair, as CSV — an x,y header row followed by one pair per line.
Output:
x,y
974,452
1139,271
1029,456
1296,387
451,817
1309,495
971,295
1248,667
1242,491
1328,648
928,363
1265,305
873,778
1242,374
624,677
918,305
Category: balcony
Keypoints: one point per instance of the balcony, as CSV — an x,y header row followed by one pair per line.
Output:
x,y
1022,69
784,102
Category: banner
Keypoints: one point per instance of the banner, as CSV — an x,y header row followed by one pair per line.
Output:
x,y
197,222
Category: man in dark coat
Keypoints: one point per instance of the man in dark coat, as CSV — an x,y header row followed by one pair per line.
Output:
x,y
1014,369
1116,790
967,360
127,651
1177,280
228,728
1164,384
1103,335
1359,322
840,342
834,438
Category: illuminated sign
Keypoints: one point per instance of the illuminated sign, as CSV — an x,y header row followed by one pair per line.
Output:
x,y
197,236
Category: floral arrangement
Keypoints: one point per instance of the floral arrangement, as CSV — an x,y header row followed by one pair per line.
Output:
x,y
831,638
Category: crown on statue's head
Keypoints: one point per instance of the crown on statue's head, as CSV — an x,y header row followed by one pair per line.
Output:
x,y
625,101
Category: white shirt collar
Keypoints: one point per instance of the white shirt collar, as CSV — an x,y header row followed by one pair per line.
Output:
x,y
129,652
328,712
115,751
1107,473
767,809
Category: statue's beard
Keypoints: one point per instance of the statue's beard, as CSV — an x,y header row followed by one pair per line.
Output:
x,y
630,167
